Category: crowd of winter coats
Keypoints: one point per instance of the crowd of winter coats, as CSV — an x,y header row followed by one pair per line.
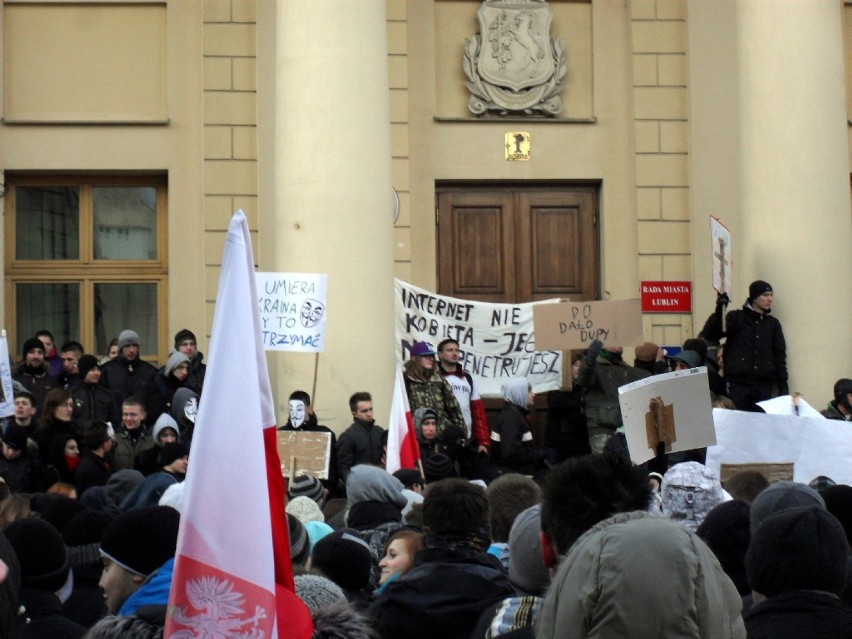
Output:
x,y
596,547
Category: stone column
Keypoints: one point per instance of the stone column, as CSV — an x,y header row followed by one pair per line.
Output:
x,y
794,204
333,205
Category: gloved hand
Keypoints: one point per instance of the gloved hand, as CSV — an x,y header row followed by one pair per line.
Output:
x,y
593,352
722,299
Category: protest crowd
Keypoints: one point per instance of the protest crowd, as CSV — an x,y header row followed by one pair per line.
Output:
x,y
496,531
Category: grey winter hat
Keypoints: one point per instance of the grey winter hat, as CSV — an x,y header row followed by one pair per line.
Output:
x,y
175,359
304,509
127,337
422,414
526,567
318,592
780,496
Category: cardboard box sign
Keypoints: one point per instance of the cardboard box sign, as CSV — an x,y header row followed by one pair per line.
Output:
x,y
568,325
782,471
304,453
673,408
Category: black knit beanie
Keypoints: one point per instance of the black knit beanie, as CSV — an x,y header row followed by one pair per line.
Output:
x,y
758,288
82,536
172,452
345,558
143,539
87,363
30,344
40,552
801,548
726,530
184,334
838,501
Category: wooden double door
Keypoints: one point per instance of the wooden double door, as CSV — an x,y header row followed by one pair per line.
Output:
x,y
516,243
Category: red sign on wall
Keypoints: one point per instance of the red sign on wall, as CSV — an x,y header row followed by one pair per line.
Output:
x,y
666,297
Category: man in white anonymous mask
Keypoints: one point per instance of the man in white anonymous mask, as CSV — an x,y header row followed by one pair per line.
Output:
x,y
303,419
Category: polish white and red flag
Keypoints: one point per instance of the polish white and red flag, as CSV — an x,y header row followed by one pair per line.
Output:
x,y
233,546
403,451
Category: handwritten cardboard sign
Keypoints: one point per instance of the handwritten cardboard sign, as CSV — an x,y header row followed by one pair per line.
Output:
x,y
292,311
304,453
569,325
685,423
496,341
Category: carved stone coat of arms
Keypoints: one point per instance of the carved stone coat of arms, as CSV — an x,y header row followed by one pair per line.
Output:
x,y
513,66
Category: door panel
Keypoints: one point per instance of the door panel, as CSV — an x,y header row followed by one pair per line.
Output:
x,y
476,229
517,244
560,230
513,243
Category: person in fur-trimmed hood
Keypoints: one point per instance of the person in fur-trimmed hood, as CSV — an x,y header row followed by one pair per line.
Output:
x,y
340,621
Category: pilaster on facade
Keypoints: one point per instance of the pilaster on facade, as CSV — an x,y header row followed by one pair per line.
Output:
x,y
660,120
230,126
397,19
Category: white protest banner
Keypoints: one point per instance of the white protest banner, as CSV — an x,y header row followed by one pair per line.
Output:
x,y
292,311
814,446
683,418
785,405
721,252
496,340
7,395
573,325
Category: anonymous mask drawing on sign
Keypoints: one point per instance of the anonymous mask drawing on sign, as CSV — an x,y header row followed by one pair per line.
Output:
x,y
311,313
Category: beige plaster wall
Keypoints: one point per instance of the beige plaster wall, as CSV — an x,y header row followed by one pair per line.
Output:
x,y
174,146
768,158
229,120
599,148
661,122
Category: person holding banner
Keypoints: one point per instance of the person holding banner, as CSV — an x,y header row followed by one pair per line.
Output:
x,y
466,392
602,372
427,388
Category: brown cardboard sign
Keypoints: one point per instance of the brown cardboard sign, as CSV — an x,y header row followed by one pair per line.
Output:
x,y
781,471
304,453
660,424
567,325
